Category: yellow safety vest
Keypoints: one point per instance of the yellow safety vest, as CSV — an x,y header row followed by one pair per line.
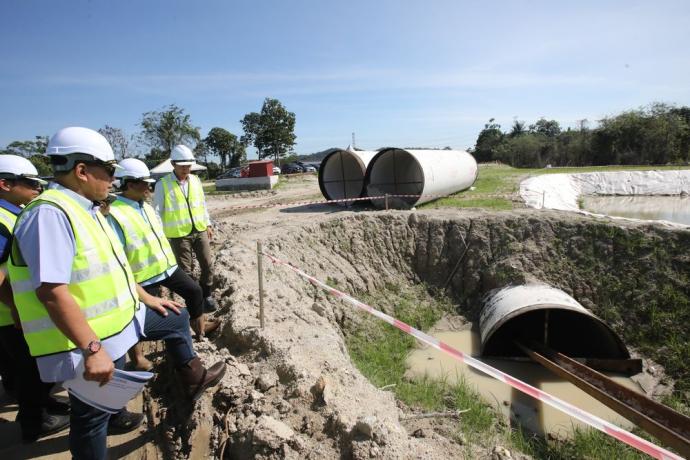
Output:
x,y
101,283
148,250
7,220
182,214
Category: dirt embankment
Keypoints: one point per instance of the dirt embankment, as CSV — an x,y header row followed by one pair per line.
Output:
x,y
292,390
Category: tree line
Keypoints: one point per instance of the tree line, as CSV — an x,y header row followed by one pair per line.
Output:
x,y
270,131
654,135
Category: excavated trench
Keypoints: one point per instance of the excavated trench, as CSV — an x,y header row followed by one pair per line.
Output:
x,y
294,379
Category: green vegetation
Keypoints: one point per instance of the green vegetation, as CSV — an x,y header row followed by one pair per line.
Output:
x,y
657,134
379,351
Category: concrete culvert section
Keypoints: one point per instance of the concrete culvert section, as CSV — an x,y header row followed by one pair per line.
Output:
x,y
341,174
433,173
548,316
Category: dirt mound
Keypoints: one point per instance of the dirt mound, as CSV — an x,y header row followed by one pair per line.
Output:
x,y
292,390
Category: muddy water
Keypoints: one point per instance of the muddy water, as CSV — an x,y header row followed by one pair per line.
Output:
x,y
530,413
671,208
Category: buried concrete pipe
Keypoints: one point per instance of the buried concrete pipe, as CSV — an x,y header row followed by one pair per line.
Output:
x,y
430,173
341,174
546,315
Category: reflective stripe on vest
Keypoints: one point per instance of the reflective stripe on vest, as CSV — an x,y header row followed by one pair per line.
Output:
x,y
180,214
7,220
148,250
101,283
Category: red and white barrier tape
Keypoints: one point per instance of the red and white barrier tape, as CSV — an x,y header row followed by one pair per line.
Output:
x,y
347,200
592,420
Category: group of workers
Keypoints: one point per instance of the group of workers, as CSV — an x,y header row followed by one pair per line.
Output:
x,y
81,276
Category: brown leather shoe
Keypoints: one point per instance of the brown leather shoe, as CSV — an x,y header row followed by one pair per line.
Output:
x,y
196,378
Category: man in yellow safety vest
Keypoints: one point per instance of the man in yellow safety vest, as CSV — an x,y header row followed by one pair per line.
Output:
x,y
76,295
148,250
179,201
39,414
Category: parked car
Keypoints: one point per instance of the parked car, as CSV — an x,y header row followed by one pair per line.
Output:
x,y
291,168
230,173
276,170
309,168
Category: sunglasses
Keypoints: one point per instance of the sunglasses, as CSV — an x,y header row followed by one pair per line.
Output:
x,y
108,167
30,183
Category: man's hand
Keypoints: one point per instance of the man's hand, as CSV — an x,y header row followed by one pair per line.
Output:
x,y
162,305
209,232
99,367
156,303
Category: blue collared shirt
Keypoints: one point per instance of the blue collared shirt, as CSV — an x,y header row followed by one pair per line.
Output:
x,y
120,234
47,243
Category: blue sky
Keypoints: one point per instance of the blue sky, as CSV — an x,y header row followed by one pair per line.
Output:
x,y
400,73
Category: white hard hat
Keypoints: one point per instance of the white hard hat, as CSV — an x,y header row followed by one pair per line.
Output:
x,y
133,168
13,167
74,144
182,155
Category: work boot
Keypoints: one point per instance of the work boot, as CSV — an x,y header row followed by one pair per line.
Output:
x,y
210,305
124,422
196,378
50,423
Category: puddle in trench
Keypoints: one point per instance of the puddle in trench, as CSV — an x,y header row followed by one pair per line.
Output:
x,y
671,208
530,413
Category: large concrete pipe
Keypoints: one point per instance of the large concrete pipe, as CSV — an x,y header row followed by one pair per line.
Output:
x,y
549,316
341,174
434,173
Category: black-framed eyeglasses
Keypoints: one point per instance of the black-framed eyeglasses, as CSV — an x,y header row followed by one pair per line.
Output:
x,y
108,167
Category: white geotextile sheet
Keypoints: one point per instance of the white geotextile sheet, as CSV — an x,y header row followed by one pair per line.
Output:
x,y
562,191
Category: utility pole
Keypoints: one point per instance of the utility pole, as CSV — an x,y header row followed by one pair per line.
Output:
x,y
353,140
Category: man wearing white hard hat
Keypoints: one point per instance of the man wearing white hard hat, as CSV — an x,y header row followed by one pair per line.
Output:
x,y
179,201
39,414
76,296
148,250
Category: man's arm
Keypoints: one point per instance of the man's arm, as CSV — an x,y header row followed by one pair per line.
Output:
x,y
69,319
158,198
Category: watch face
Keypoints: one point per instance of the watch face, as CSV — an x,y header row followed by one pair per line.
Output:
x,y
94,346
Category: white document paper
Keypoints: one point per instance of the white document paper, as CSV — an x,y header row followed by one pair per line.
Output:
x,y
112,396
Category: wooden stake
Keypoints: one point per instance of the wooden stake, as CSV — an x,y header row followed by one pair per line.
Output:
x,y
259,255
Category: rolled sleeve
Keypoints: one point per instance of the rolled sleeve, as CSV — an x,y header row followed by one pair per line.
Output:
x,y
47,244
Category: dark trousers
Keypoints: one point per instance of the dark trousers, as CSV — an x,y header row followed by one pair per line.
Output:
x,y
32,394
183,285
89,426
186,248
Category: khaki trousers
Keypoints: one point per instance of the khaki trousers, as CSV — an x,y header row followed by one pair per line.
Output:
x,y
196,245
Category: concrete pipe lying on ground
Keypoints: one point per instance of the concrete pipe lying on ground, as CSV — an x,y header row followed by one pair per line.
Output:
x,y
432,173
341,174
549,316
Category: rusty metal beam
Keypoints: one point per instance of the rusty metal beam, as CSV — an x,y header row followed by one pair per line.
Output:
x,y
667,425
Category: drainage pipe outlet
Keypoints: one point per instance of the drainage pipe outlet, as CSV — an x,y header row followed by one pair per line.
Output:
x,y
546,315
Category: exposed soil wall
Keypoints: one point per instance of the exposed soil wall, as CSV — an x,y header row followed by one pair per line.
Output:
x,y
292,390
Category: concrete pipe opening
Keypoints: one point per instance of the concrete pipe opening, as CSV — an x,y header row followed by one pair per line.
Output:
x,y
341,174
430,173
548,316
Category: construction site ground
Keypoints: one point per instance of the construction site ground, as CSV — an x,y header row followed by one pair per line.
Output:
x,y
291,390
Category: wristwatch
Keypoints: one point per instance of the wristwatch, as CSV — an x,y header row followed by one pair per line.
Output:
x,y
92,348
